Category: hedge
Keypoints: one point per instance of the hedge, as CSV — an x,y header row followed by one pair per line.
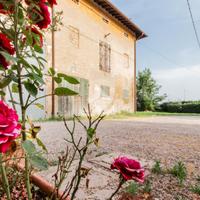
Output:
x,y
180,107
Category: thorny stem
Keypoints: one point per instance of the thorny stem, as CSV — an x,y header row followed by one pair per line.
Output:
x,y
23,109
11,96
118,188
33,101
4,178
78,172
83,151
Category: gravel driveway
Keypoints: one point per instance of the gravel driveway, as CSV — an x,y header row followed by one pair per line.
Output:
x,y
168,139
165,138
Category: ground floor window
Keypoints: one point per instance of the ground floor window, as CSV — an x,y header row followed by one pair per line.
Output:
x,y
105,91
70,105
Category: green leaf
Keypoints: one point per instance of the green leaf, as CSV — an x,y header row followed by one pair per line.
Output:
x,y
34,131
31,88
15,88
36,77
57,80
40,106
5,82
29,147
2,93
41,144
43,59
24,62
8,57
69,79
62,91
52,71
29,38
39,162
91,132
38,49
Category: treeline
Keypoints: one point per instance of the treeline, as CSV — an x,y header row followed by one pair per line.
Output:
x,y
180,107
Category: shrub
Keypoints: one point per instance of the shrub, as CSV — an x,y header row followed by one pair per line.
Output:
x,y
196,189
156,169
132,188
181,107
179,171
147,187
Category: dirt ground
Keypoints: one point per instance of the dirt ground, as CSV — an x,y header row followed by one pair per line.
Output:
x,y
168,139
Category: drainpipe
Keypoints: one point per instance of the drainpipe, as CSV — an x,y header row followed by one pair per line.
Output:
x,y
134,86
53,66
135,71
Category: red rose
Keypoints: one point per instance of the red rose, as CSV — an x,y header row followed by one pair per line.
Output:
x,y
40,15
5,45
7,7
9,126
52,2
130,169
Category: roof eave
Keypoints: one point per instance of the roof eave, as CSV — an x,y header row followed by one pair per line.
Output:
x,y
107,6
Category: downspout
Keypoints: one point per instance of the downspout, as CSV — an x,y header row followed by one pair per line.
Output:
x,y
53,66
135,71
134,86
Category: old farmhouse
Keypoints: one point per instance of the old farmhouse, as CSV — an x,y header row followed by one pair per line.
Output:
x,y
96,44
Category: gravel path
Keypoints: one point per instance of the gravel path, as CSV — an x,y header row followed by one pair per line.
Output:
x,y
168,139
148,138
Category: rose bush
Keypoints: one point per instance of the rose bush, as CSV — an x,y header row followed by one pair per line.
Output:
x,y
129,169
9,126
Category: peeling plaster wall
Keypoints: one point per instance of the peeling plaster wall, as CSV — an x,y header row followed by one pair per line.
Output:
x,y
82,60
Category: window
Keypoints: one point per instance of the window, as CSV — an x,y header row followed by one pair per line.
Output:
x,y
105,91
74,36
70,105
126,60
104,56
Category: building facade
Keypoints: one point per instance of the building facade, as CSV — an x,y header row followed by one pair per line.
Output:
x,y
97,45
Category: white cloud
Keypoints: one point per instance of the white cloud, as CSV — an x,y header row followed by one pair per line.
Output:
x,y
180,83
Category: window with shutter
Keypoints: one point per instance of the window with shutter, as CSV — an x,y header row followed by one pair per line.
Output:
x,y
104,57
105,91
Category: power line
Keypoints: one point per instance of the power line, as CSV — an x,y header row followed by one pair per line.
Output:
x,y
193,23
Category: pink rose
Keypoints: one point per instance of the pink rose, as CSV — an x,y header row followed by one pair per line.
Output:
x,y
9,126
130,169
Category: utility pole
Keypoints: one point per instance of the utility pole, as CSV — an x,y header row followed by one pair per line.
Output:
x,y
53,65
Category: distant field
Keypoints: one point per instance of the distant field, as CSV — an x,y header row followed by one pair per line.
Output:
x,y
124,114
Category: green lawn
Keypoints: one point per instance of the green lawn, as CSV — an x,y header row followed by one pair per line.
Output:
x,y
125,114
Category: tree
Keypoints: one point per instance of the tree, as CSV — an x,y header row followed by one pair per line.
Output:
x,y
147,91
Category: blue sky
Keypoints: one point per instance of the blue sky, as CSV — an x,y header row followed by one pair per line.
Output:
x,y
171,49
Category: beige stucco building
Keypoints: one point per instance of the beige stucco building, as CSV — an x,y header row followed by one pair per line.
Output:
x,y
97,44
